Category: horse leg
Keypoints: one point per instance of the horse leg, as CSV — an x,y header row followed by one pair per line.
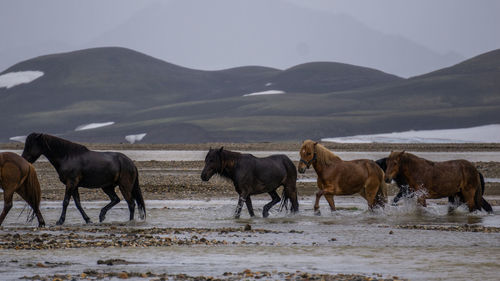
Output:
x,y
275,198
76,198
398,197
454,201
468,196
250,207
110,191
421,200
127,195
237,212
67,195
316,204
7,203
329,199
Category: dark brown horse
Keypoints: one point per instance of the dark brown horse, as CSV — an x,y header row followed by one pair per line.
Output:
x,y
338,177
251,175
78,166
19,176
433,180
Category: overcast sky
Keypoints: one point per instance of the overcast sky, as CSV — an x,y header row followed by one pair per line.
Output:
x,y
444,31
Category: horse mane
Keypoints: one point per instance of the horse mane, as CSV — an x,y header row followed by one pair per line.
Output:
x,y
61,146
228,159
325,156
416,158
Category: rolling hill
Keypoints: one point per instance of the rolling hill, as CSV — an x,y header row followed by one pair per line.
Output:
x,y
171,103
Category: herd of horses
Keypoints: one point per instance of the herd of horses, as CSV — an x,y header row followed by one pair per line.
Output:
x,y
77,166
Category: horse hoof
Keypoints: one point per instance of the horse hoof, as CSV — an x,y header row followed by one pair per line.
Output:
x,y
317,213
88,221
265,215
59,222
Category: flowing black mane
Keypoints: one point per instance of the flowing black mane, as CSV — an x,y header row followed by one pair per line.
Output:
x,y
58,146
229,159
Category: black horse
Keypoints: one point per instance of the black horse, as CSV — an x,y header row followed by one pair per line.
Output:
x,y
78,166
404,191
400,181
251,175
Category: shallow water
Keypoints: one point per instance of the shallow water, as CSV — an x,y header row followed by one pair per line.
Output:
x,y
363,243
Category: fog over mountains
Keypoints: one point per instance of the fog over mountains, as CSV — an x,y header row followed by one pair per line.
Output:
x,y
220,34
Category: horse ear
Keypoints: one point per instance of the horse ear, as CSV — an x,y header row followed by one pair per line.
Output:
x,y
315,143
221,149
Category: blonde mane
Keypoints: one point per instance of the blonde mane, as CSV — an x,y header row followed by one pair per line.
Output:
x,y
325,156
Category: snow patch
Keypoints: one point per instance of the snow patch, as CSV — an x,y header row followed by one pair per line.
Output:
x,y
480,134
19,138
269,84
134,138
12,79
269,92
93,126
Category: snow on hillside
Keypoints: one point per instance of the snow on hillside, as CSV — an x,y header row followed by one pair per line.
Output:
x,y
18,138
482,134
269,92
134,138
11,79
93,126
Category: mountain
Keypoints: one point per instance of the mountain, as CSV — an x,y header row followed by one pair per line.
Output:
x,y
141,93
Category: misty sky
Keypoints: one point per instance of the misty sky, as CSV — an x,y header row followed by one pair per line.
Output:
x,y
435,33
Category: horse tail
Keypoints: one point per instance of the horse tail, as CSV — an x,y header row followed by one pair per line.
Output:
x,y
32,192
284,200
481,178
484,204
381,197
289,186
137,196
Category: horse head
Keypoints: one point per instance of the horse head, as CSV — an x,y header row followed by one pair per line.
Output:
x,y
32,147
393,163
307,155
213,163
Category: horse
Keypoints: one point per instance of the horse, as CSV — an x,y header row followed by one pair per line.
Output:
x,y
400,181
251,175
433,180
404,191
338,177
19,176
77,166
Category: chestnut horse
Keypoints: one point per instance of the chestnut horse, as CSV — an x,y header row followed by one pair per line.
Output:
x,y
438,179
338,177
18,176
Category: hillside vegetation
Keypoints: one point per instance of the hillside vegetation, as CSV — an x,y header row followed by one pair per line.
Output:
x,y
171,103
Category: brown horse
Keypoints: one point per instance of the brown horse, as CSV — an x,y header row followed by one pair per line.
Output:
x,y
338,177
18,175
436,180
